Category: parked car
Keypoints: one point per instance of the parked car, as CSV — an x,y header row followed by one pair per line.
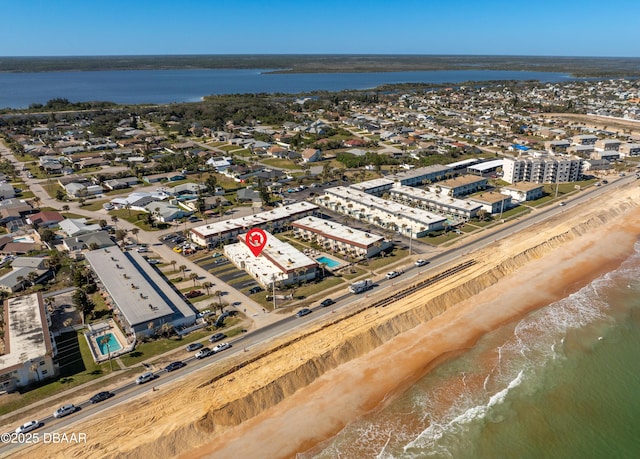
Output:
x,y
421,262
393,274
153,261
254,290
217,337
175,366
205,313
28,426
193,294
64,410
562,204
177,249
220,347
327,302
202,353
145,378
194,347
101,397
303,312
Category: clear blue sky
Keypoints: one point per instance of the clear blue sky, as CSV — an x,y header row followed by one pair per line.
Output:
x,y
116,27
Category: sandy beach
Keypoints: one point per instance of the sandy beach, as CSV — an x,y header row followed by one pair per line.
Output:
x,y
308,389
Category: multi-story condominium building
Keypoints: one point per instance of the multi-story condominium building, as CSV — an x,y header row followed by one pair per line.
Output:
x,y
584,139
492,201
412,222
29,348
460,186
608,144
278,262
270,220
629,149
422,175
542,169
339,238
434,202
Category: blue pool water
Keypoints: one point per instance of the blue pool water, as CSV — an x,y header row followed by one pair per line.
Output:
x,y
112,343
328,261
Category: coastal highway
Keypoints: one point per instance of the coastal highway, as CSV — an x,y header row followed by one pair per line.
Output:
x,y
346,301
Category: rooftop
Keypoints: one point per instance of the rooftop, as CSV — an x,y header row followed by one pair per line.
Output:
x,y
26,330
333,230
461,181
424,195
140,293
284,256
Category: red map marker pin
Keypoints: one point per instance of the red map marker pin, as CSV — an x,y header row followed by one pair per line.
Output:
x,y
256,239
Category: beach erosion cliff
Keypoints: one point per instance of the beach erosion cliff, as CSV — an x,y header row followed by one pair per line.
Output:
x,y
289,395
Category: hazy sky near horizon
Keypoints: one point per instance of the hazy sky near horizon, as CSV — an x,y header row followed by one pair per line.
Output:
x,y
502,27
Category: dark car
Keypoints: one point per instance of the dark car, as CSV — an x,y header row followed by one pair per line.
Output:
x,y
194,347
175,366
327,302
303,312
217,337
101,397
255,289
193,294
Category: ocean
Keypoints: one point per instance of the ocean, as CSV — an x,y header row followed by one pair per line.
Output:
x,y
561,382
19,90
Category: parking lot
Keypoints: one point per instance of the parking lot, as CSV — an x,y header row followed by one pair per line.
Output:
x,y
224,270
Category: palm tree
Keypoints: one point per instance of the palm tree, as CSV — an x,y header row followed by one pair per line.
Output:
x,y
182,269
34,368
218,294
135,232
173,265
114,219
128,207
65,208
207,285
37,200
194,278
104,340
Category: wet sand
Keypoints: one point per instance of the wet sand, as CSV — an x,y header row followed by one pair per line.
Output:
x,y
322,409
306,392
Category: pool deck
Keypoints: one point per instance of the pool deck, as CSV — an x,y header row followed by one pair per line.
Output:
x,y
315,254
102,328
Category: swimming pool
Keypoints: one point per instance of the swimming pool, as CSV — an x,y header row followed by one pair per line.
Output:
x,y
328,261
111,344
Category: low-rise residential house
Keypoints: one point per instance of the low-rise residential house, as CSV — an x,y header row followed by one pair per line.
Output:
x,y
120,183
218,164
45,219
608,144
629,149
590,165
249,194
77,226
609,155
188,188
80,190
167,176
93,240
13,210
311,155
20,248
584,139
92,162
7,191
165,212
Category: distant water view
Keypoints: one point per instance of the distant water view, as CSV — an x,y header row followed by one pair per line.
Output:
x,y
19,90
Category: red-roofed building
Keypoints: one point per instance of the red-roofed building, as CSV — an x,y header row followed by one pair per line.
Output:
x,y
45,219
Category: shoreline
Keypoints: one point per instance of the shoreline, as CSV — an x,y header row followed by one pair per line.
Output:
x,y
279,405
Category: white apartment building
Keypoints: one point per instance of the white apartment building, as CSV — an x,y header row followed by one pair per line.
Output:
x,y
278,262
270,220
29,348
412,222
542,169
434,202
339,238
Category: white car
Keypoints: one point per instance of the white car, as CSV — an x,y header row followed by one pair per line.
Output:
x,y
220,347
64,410
393,274
145,377
421,262
28,427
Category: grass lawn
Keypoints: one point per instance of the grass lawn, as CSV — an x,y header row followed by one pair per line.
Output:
x,y
381,262
440,239
76,367
282,163
348,275
144,351
312,289
520,210
95,205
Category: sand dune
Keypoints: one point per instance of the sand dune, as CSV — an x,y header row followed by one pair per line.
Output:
x,y
304,389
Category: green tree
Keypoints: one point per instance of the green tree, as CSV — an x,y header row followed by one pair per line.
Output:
x,y
83,303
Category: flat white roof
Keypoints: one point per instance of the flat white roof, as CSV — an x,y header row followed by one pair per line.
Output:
x,y
140,293
284,256
278,213
371,184
391,208
487,165
336,231
463,163
442,199
26,329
